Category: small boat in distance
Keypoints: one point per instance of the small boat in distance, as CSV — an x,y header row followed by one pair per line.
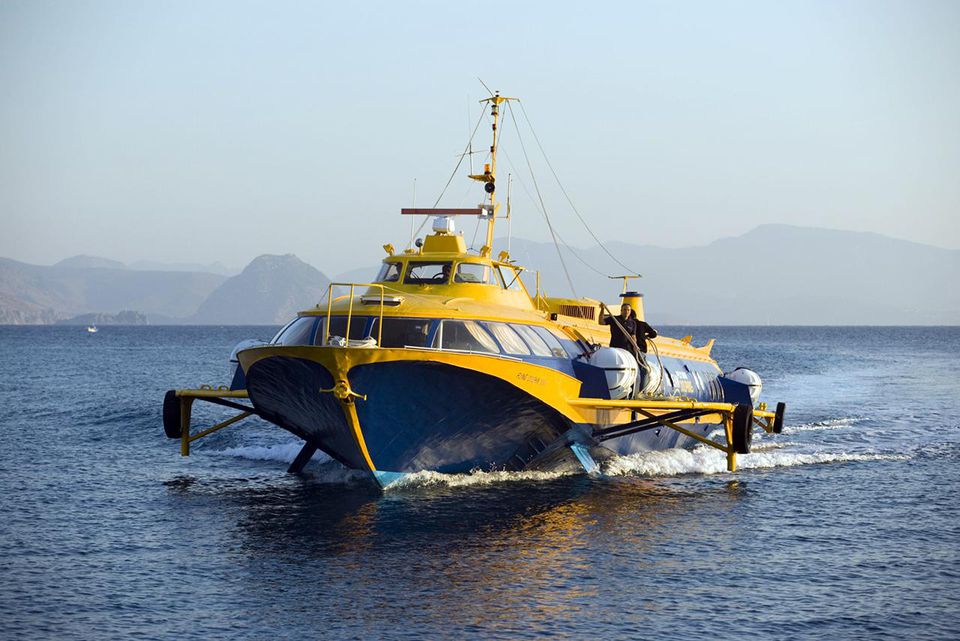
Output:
x,y
449,362
92,329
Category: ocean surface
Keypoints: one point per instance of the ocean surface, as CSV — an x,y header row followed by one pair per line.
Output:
x,y
847,525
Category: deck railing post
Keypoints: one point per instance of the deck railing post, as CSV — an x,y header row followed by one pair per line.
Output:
x,y
326,325
349,315
380,326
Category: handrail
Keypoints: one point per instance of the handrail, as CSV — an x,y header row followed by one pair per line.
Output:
x,y
352,286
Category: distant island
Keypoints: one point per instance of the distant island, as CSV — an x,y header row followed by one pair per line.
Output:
x,y
772,275
126,317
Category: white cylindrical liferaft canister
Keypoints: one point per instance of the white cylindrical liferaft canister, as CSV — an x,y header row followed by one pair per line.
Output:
x,y
749,378
239,347
620,368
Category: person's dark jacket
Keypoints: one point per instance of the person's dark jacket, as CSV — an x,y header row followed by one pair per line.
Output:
x,y
637,328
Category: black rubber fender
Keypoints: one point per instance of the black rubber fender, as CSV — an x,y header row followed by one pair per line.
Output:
x,y
742,428
171,414
778,418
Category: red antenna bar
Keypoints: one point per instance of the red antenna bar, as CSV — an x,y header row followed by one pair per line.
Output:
x,y
476,211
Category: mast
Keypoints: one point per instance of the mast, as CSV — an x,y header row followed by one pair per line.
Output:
x,y
489,175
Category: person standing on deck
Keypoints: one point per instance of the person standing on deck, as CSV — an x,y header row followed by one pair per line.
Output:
x,y
628,323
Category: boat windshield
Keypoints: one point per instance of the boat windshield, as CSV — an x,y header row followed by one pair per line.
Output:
x,y
536,343
402,332
474,273
299,332
389,273
509,339
338,327
556,347
424,273
465,336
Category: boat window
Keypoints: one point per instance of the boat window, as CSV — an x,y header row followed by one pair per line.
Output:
x,y
420,273
536,343
474,273
511,278
299,332
556,347
402,332
467,336
509,339
338,327
389,273
273,341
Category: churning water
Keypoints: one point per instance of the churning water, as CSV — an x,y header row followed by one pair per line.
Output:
x,y
846,525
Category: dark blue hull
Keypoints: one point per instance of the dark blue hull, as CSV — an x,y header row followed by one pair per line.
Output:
x,y
418,416
423,415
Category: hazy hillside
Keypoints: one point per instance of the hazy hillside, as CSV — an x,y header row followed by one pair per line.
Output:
x,y
44,294
154,265
775,274
84,262
269,291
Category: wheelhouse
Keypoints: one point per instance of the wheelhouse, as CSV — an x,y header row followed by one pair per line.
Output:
x,y
460,271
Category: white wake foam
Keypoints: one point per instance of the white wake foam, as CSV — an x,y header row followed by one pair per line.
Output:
x,y
828,424
709,461
433,479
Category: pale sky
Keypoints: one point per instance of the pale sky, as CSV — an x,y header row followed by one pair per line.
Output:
x,y
202,131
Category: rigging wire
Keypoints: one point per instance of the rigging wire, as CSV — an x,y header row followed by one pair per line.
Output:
x,y
559,237
566,195
475,230
546,217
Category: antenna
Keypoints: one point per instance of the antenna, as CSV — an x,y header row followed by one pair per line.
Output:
x,y
509,219
489,175
412,220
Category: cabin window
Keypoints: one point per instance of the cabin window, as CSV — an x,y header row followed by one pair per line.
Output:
x,y
509,339
299,332
556,347
511,278
474,273
402,332
338,327
421,273
273,341
389,273
467,336
536,343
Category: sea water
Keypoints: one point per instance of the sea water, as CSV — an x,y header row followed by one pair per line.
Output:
x,y
846,525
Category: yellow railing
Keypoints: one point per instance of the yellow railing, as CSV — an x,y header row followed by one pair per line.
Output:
x,y
352,286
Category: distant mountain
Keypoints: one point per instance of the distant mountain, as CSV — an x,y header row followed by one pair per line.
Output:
x,y
774,274
98,262
86,262
38,294
269,291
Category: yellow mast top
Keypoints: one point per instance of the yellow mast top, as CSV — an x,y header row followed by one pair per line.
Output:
x,y
489,175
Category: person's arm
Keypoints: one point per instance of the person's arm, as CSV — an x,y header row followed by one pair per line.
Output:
x,y
648,331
